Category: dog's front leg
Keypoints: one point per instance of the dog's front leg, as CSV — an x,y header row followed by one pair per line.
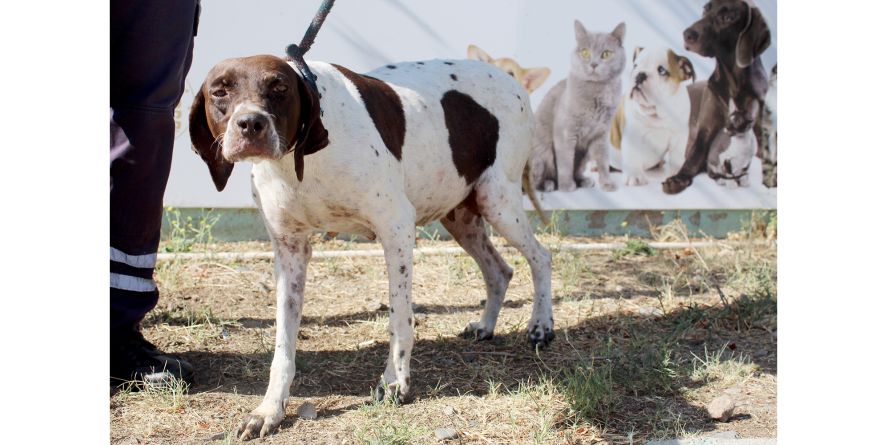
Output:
x,y
397,236
712,119
291,256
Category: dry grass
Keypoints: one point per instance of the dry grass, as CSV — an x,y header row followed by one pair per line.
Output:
x,y
644,339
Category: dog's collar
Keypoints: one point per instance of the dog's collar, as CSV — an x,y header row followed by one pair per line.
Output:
x,y
297,52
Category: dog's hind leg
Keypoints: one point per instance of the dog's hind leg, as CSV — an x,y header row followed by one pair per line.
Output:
x,y
291,256
501,203
467,227
395,228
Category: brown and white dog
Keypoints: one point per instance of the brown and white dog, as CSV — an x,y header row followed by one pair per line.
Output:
x,y
651,123
530,78
406,144
735,34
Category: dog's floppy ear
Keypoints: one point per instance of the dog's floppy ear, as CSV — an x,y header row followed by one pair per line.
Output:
x,y
310,135
637,52
685,67
753,40
475,53
207,146
534,77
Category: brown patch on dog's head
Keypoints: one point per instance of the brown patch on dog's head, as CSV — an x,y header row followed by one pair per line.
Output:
x,y
272,109
680,67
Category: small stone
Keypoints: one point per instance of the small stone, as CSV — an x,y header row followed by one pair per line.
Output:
x,y
723,435
650,311
448,410
219,436
445,433
721,408
366,344
307,411
377,306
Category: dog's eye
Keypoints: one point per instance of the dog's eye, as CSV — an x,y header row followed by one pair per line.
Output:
x,y
221,92
280,88
606,54
726,16
511,73
662,71
585,53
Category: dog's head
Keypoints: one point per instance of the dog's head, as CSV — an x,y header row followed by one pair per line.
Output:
x,y
530,78
657,75
254,108
727,29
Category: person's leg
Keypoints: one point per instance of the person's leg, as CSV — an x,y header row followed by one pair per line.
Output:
x,y
151,45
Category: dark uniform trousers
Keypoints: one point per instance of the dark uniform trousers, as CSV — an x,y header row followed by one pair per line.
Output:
x,y
151,46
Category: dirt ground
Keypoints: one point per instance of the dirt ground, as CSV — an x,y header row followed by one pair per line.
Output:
x,y
645,339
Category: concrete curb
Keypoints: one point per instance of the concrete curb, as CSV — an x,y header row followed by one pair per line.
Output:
x,y
714,441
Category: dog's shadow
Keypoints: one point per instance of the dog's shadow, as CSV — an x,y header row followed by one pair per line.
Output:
x,y
451,366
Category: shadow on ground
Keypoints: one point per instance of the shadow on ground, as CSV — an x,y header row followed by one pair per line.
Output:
x,y
650,360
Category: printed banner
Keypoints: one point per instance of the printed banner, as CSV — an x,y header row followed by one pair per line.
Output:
x,y
638,104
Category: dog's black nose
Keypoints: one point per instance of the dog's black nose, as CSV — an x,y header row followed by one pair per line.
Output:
x,y
252,124
641,77
690,35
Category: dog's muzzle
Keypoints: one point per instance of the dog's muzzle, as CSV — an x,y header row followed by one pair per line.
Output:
x,y
251,134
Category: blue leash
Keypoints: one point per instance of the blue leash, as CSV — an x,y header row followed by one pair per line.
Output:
x,y
297,52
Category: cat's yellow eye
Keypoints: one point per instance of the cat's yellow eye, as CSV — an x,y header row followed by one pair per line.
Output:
x,y
606,54
585,53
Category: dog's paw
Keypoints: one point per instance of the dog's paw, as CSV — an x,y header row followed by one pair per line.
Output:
x,y
636,181
585,183
567,186
608,185
260,423
541,334
477,332
392,392
547,186
676,184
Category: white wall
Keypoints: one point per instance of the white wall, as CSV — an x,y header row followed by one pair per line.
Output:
x,y
365,34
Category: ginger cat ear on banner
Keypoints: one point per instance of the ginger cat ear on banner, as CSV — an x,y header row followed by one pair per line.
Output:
x,y
530,78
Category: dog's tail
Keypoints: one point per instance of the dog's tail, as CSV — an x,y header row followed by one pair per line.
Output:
x,y
529,190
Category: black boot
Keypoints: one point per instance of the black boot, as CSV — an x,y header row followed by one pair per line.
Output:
x,y
135,359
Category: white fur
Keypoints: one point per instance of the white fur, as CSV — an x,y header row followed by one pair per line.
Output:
x,y
772,105
656,121
355,185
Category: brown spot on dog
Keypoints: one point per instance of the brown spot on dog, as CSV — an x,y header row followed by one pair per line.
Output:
x,y
384,107
392,67
448,63
453,77
618,125
681,69
473,134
